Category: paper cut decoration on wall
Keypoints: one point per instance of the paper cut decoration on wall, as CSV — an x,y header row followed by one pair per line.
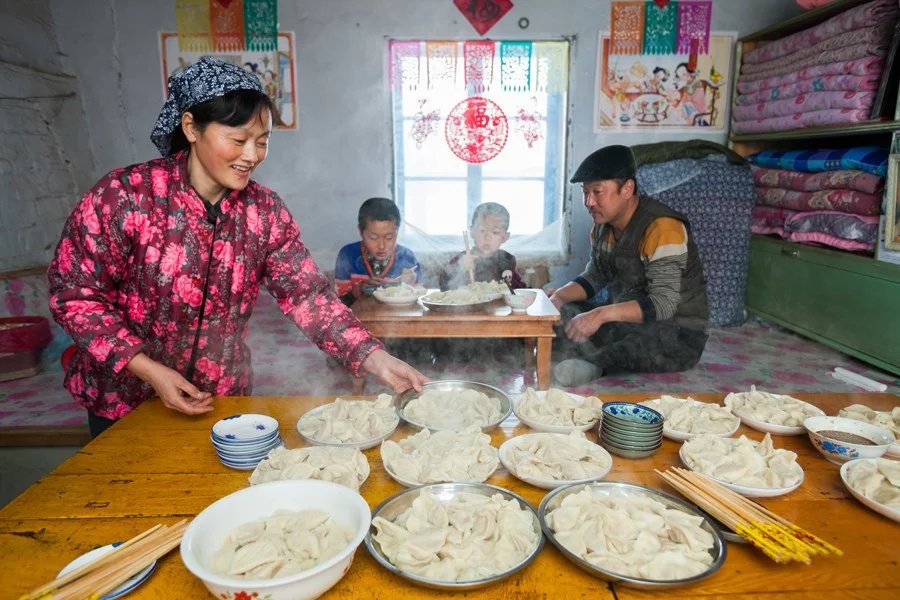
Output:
x,y
261,25
440,64
227,25
530,123
627,25
424,123
660,27
405,64
479,64
275,70
693,23
551,60
226,19
476,130
515,66
483,14
192,21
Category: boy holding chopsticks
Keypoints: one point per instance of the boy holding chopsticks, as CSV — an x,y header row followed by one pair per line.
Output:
x,y
485,261
377,259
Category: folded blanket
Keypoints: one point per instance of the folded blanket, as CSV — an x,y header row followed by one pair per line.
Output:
x,y
645,154
864,67
829,228
816,118
871,159
844,200
804,103
877,47
874,35
855,18
825,83
851,179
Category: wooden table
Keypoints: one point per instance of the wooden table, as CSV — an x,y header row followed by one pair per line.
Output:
x,y
156,466
496,320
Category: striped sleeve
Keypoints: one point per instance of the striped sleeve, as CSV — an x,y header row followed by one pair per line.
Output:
x,y
664,253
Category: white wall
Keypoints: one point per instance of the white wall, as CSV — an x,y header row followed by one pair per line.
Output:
x,y
341,152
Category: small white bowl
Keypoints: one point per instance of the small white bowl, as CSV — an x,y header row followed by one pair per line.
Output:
x,y
546,427
507,447
879,508
839,451
411,298
520,301
206,533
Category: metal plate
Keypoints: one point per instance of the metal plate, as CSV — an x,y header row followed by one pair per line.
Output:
x,y
450,385
457,308
396,504
554,498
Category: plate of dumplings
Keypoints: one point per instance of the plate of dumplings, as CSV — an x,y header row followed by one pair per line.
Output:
x,y
557,411
686,418
889,419
876,483
778,414
552,460
752,469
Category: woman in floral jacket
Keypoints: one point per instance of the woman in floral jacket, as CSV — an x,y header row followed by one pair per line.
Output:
x,y
160,263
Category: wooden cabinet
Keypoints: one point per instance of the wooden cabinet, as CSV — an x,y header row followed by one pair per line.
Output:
x,y
847,301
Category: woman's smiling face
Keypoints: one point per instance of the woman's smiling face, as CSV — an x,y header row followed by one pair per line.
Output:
x,y
223,157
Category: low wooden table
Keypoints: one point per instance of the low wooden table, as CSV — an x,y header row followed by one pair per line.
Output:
x,y
496,320
157,466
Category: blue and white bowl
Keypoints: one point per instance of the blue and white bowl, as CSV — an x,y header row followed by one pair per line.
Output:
x,y
839,451
242,441
629,413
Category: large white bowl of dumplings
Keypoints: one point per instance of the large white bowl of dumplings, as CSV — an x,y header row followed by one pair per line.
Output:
x,y
240,543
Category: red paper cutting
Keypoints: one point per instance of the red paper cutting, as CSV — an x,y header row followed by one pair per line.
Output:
x,y
483,14
476,130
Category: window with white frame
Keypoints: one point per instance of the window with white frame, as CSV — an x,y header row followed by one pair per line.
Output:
x,y
478,121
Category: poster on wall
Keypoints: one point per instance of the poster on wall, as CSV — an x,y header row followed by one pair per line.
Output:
x,y
634,92
275,70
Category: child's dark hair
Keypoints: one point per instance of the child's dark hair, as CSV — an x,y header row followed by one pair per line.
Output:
x,y
378,209
491,208
231,109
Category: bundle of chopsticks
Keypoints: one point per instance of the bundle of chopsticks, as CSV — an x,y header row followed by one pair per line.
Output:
x,y
778,538
109,571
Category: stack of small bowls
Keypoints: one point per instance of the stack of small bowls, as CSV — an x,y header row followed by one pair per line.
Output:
x,y
630,430
241,441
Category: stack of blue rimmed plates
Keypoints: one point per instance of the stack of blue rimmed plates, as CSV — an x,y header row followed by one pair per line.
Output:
x,y
631,430
241,441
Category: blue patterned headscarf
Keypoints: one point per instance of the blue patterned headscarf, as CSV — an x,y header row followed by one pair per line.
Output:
x,y
204,80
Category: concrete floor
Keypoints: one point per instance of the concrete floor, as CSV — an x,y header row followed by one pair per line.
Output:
x,y
21,467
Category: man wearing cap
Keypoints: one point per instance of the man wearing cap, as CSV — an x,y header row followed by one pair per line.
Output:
x,y
644,267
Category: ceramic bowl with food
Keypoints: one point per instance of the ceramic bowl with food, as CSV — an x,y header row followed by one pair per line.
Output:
x,y
207,532
520,301
839,439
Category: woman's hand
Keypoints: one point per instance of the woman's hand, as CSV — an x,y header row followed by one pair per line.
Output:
x,y
583,326
398,375
173,389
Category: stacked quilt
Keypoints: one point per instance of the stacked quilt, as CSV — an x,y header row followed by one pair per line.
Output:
x,y
825,75
829,197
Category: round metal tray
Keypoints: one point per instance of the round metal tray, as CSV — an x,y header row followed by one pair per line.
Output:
x,y
554,498
449,385
396,504
457,308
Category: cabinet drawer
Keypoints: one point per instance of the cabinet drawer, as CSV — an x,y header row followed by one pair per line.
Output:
x,y
849,302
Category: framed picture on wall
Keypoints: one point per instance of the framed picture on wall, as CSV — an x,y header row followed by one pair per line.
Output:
x,y
636,92
892,205
275,70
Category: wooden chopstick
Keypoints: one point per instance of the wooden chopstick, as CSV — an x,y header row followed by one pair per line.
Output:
x,y
112,569
466,241
777,537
